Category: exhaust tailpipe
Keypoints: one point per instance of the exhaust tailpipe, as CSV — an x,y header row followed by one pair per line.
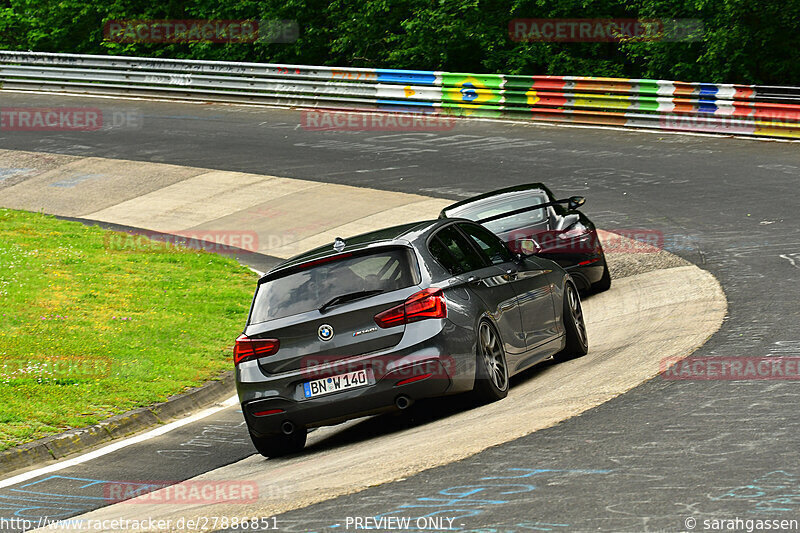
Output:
x,y
287,427
403,402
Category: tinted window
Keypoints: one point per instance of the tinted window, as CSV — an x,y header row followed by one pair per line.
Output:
x,y
454,252
493,248
300,292
442,255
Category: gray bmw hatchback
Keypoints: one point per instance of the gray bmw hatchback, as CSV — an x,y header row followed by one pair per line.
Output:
x,y
374,322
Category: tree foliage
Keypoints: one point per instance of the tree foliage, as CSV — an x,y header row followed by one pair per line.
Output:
x,y
744,41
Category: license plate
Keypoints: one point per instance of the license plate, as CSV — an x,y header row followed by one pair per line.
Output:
x,y
351,380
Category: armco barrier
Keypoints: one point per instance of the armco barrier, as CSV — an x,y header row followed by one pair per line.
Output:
x,y
637,103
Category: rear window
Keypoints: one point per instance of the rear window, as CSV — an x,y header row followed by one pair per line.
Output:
x,y
491,207
385,270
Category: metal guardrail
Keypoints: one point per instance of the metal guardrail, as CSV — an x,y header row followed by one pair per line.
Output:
x,y
637,103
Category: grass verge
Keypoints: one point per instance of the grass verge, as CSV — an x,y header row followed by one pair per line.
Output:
x,y
88,331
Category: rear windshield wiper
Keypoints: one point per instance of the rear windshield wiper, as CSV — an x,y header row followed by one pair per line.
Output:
x,y
348,298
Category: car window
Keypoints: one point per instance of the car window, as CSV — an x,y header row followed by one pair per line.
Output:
x,y
506,203
490,245
454,252
443,256
299,292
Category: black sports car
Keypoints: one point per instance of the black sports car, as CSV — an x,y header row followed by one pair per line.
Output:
x,y
530,216
377,321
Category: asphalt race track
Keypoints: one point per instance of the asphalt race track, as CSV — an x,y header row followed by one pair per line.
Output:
x,y
666,451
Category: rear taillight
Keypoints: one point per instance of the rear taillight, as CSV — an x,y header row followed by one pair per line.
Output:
x,y
268,412
413,379
247,348
428,303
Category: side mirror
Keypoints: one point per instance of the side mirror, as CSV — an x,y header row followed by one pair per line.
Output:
x,y
575,202
529,246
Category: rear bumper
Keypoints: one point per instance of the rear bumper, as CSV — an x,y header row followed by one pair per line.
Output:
x,y
586,275
340,406
584,259
450,365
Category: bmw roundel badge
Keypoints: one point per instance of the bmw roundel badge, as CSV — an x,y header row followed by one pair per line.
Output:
x,y
325,332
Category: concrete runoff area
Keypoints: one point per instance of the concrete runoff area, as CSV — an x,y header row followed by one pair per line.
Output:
x,y
288,216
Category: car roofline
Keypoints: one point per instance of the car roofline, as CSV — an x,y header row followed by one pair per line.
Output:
x,y
293,262
323,252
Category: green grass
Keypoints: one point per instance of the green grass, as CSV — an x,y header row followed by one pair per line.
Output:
x,y
89,330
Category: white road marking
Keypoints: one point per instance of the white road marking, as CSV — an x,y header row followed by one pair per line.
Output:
x,y
792,258
166,428
387,168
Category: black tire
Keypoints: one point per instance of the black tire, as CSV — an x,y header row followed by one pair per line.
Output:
x,y
605,281
572,317
280,445
491,373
